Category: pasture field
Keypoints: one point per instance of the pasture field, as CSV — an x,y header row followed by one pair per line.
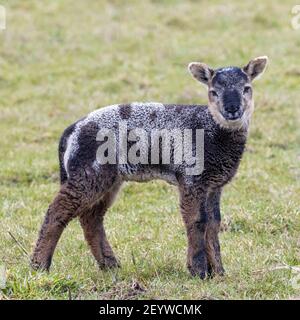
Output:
x,y
61,59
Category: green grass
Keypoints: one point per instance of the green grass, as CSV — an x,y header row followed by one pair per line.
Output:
x,y
61,59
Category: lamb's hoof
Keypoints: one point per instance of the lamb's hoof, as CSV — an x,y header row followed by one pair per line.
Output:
x,y
216,271
109,263
40,265
202,273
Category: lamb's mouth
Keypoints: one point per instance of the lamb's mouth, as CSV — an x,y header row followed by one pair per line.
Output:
x,y
232,116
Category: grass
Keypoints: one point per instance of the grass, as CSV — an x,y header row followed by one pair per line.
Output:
x,y
61,59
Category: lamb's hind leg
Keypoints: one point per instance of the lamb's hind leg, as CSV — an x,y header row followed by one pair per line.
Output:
x,y
64,207
212,238
92,224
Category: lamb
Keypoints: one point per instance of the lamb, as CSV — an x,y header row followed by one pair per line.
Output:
x,y
89,182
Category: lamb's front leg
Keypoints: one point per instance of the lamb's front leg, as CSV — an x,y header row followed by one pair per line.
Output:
x,y
212,233
193,210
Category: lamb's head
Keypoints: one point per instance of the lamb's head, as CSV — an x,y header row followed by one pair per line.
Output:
x,y
230,91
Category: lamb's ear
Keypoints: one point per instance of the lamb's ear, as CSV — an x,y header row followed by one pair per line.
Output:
x,y
256,67
201,71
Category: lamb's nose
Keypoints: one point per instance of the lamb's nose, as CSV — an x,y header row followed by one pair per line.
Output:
x,y
232,108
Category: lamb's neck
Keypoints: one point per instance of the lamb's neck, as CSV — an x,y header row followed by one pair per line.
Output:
x,y
232,139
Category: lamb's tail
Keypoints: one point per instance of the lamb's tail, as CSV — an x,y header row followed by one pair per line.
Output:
x,y
61,152
63,143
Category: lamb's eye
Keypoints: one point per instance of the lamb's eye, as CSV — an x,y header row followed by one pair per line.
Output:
x,y
247,90
213,93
